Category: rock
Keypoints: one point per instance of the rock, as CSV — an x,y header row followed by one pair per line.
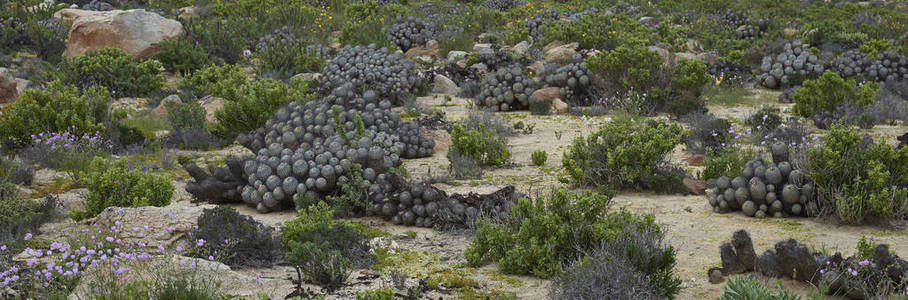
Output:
x,y
521,48
430,50
682,55
715,275
790,31
560,106
73,199
194,11
480,67
561,53
647,21
695,159
546,94
539,68
9,90
310,77
211,105
693,45
22,84
551,45
665,54
133,106
744,248
166,225
133,31
456,55
161,110
696,187
483,48
444,85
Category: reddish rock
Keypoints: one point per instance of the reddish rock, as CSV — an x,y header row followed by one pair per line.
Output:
x,y
695,159
8,86
133,31
696,187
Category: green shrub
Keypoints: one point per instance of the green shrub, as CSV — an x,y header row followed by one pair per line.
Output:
x,y
57,108
539,157
186,116
115,184
540,107
621,153
874,47
542,234
865,247
597,31
376,294
284,57
181,56
258,101
829,92
19,217
726,162
749,287
224,38
218,81
483,144
626,68
461,41
364,32
323,249
688,79
857,181
114,69
234,239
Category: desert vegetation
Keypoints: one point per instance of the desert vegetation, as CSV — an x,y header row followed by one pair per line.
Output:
x,y
465,149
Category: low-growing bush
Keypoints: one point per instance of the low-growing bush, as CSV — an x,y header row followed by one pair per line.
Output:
x,y
186,116
482,144
57,108
464,166
621,153
226,38
325,250
856,180
66,151
16,172
764,121
113,69
257,102
218,81
539,157
540,107
530,242
829,92
113,183
19,217
597,31
234,239
365,32
635,265
284,56
749,287
181,56
707,133
725,162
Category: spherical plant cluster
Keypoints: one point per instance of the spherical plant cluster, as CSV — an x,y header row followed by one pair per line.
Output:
x,y
789,67
886,66
507,89
535,25
412,33
315,148
458,73
416,205
733,18
726,70
372,68
494,61
574,81
502,5
97,6
766,189
751,31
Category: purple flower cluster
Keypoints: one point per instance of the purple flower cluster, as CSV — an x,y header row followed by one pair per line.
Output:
x,y
66,140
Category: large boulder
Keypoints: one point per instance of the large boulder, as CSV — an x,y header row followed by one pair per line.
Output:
x,y
561,53
8,86
444,85
211,105
153,226
134,31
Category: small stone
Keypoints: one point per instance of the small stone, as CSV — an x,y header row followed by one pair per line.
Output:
x,y
715,275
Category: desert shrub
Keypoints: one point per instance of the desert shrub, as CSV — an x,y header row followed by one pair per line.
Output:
x,y
876,46
283,56
887,107
365,32
455,41
20,216
764,121
57,108
234,239
113,69
749,287
637,264
181,56
540,107
113,183
539,157
621,153
597,31
725,162
482,144
707,133
865,247
489,120
66,151
30,26
626,68
224,38
464,166
857,180
531,242
323,249
257,102
829,92
194,139
16,172
666,179
218,81
186,116
687,81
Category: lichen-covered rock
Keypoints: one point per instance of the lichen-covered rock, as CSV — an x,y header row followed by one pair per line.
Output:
x,y
8,86
134,31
